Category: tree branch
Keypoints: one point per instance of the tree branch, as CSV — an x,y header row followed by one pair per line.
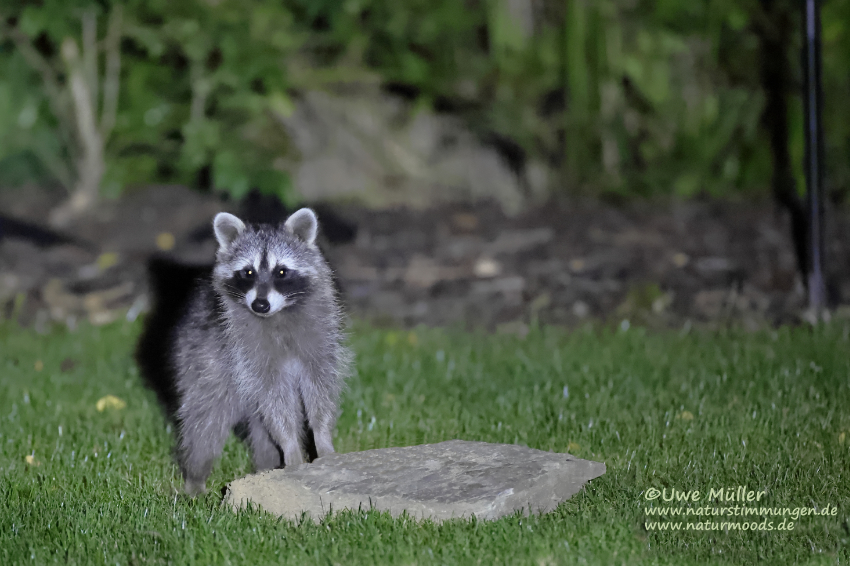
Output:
x,y
89,54
112,76
201,88
90,165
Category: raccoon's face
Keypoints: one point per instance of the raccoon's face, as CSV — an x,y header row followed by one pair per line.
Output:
x,y
266,269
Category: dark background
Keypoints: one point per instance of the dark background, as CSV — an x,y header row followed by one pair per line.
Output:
x,y
486,163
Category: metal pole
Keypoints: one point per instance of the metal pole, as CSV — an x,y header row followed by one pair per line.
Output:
x,y
814,155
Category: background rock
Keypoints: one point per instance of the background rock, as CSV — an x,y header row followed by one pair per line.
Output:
x,y
381,151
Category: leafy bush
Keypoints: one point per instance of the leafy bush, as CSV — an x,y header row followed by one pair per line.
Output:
x,y
198,83
635,97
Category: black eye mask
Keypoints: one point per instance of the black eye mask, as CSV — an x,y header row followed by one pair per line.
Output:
x,y
291,283
243,280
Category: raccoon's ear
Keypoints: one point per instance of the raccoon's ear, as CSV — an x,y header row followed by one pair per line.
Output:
x,y
303,225
227,227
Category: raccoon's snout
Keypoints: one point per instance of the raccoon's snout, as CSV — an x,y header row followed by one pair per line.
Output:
x,y
261,306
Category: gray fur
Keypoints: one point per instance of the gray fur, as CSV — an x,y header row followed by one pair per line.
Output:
x,y
304,225
227,227
272,371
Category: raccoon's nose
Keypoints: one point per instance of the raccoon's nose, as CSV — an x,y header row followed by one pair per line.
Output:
x,y
261,306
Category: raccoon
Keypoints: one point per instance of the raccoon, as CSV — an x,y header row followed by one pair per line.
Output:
x,y
261,346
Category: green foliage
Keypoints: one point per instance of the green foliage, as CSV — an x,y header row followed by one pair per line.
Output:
x,y
661,410
27,127
200,82
208,79
659,97
646,97
650,103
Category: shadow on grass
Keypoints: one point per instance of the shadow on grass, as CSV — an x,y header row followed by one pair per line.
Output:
x,y
171,285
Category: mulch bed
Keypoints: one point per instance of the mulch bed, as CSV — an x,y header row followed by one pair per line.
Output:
x,y
667,264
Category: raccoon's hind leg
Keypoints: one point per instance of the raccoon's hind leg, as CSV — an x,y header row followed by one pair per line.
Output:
x,y
265,454
203,432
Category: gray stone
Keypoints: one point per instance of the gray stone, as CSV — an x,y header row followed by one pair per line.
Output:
x,y
454,479
375,148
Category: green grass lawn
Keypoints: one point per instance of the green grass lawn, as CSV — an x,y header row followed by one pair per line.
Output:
x,y
692,412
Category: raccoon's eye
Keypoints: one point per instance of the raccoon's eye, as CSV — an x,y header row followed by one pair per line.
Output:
x,y
280,272
246,273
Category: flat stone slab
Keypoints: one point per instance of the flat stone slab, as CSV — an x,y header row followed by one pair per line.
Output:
x,y
441,481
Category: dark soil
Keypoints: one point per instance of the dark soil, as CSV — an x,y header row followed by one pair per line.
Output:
x,y
669,264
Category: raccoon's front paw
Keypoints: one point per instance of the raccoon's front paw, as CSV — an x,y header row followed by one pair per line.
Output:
x,y
324,444
293,457
324,450
194,487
